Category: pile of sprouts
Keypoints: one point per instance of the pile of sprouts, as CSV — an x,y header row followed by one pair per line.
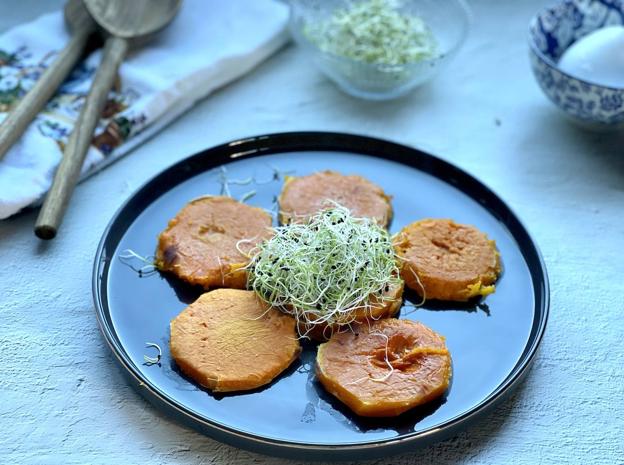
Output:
x,y
326,271
374,31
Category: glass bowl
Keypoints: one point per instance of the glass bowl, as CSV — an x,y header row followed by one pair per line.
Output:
x,y
448,20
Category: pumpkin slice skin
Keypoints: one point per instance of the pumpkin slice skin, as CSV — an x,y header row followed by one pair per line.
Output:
x,y
201,243
453,262
354,367
378,309
304,196
229,340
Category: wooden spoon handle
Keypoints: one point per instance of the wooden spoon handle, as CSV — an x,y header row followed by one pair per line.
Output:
x,y
67,174
20,117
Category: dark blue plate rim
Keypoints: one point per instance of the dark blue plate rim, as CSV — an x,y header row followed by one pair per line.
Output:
x,y
316,141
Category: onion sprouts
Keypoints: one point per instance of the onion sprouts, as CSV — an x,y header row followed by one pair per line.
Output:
x,y
326,271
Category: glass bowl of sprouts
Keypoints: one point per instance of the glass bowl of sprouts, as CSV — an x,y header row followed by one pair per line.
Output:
x,y
379,49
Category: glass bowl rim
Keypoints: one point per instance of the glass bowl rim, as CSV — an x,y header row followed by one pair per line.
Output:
x,y
301,39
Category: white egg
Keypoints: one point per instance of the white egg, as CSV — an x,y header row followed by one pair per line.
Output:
x,y
598,57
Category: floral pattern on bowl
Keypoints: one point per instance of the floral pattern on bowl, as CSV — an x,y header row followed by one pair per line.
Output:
x,y
551,32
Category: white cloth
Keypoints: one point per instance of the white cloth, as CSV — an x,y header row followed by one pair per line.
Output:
x,y
210,43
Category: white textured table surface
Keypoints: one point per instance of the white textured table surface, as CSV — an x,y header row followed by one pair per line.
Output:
x,y
63,399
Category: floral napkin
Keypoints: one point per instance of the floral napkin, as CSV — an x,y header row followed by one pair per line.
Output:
x,y
210,43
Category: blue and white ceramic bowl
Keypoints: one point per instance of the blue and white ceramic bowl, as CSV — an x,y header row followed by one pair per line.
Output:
x,y
555,29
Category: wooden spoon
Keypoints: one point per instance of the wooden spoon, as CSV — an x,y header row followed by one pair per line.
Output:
x,y
128,24
80,25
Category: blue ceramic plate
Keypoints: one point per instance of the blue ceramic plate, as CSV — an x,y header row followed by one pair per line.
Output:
x,y
492,341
